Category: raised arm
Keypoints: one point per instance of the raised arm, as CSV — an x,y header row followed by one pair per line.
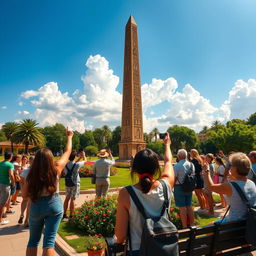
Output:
x,y
60,164
168,172
223,188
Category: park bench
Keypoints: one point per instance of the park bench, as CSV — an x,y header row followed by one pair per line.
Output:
x,y
226,239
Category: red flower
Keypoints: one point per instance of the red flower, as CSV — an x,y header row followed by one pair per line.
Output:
x,y
104,214
86,217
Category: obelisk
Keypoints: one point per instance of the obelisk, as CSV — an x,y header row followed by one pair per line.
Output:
x,y
132,137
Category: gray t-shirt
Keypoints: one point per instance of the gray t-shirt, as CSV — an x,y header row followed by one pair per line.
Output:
x,y
102,167
238,209
181,168
76,169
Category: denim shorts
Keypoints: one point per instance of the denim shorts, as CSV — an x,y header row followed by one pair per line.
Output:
x,y
46,212
182,199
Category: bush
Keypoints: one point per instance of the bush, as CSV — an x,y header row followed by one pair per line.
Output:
x,y
96,217
122,164
91,150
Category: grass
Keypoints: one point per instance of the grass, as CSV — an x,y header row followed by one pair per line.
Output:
x,y
79,244
121,179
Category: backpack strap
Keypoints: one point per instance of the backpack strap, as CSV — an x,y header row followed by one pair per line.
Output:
x,y
166,201
186,173
137,202
241,194
70,170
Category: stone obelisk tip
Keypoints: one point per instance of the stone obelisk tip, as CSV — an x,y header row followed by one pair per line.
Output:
x,y
132,20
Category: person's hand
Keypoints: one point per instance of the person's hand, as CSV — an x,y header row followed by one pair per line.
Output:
x,y
167,140
109,151
69,133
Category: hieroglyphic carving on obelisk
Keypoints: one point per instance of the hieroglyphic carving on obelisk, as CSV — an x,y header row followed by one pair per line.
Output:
x,y
132,139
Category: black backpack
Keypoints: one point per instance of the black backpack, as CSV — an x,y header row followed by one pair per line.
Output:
x,y
159,234
250,232
71,177
189,182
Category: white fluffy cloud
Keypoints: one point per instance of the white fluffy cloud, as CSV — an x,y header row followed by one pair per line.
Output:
x,y
99,102
4,107
23,113
241,101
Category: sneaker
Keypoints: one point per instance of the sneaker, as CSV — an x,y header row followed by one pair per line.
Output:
x,y
4,222
21,220
65,216
10,212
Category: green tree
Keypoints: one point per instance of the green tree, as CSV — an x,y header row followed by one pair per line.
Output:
x,y
157,147
155,133
235,121
252,119
98,135
9,129
2,136
107,134
116,138
28,133
182,137
55,137
87,139
91,150
76,141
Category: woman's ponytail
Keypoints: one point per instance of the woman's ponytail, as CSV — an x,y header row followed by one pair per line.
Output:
x,y
145,184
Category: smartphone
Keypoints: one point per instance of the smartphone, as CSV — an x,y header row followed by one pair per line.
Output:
x,y
162,135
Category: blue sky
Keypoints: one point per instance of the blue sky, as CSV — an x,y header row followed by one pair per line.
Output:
x,y
207,48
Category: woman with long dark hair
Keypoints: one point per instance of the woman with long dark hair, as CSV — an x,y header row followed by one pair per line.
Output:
x,y
149,190
42,188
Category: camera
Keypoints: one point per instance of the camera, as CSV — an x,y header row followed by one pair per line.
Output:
x,y
162,135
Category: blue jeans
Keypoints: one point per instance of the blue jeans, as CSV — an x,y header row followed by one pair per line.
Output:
x,y
46,212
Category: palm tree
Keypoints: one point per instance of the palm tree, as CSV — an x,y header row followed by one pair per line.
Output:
x,y
155,132
107,134
28,133
9,129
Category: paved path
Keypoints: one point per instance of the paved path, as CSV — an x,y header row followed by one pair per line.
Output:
x,y
14,237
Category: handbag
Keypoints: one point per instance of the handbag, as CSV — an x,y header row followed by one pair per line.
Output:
x,y
93,180
250,231
17,177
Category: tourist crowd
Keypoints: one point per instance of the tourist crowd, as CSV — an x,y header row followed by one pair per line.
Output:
x,y
38,179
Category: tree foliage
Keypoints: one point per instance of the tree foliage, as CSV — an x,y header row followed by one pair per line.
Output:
x,y
182,137
28,133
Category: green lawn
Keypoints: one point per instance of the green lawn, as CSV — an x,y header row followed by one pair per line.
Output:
x,y
121,179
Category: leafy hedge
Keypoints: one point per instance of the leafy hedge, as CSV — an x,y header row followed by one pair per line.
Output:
x,y
96,216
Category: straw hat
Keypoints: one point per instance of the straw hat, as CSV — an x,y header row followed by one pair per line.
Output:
x,y
103,153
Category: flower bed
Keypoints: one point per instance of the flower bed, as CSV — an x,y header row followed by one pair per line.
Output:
x,y
96,216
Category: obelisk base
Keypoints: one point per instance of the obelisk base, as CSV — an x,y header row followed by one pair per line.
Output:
x,y
129,149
